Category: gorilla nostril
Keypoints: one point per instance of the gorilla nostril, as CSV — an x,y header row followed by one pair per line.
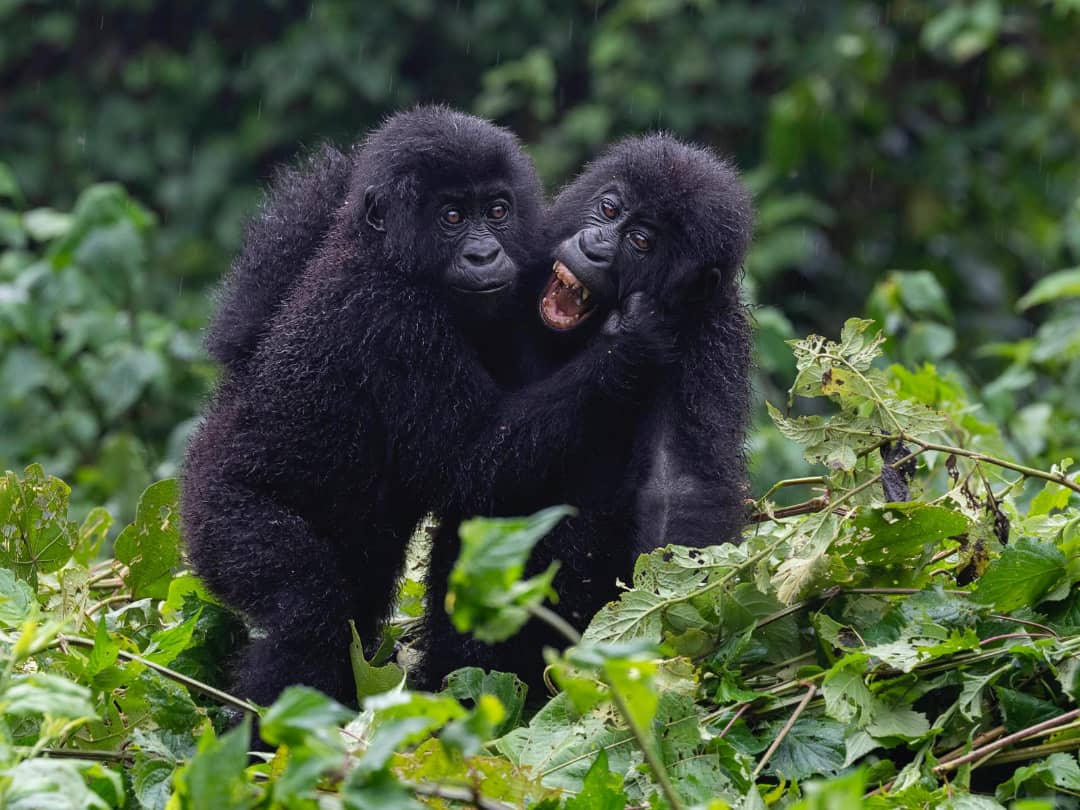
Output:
x,y
480,255
596,248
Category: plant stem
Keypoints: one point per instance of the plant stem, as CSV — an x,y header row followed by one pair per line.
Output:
x,y
645,744
545,614
785,730
1004,742
1034,751
75,753
552,618
452,793
804,508
172,674
978,742
974,455
809,480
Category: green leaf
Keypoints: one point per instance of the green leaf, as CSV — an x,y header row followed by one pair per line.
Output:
x,y
1020,710
45,694
602,789
811,748
1059,771
62,784
150,546
377,791
1052,496
633,680
1063,284
471,683
898,532
214,778
302,713
17,600
487,595
370,680
151,780
35,533
1025,572
166,644
44,224
105,651
922,294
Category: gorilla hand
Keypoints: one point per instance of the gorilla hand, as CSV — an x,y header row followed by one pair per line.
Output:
x,y
641,333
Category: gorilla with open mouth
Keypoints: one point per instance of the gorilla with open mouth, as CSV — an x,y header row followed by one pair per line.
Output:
x,y
665,224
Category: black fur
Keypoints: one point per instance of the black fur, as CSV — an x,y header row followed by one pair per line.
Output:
x,y
361,395
667,465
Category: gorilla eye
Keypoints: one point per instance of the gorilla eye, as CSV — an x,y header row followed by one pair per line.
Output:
x,y
498,212
640,240
451,216
608,208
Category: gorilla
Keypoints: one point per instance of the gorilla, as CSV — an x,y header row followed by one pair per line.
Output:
x,y
651,217
353,390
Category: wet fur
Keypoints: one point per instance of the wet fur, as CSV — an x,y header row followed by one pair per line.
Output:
x,y
353,392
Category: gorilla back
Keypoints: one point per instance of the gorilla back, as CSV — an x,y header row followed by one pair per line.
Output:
x,y
310,471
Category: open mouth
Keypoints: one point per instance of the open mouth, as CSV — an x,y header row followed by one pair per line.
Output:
x,y
566,302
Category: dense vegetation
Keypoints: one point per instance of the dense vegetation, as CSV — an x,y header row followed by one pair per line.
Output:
x,y
913,162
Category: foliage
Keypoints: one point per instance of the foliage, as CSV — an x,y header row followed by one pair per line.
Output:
x,y
907,637
97,376
912,134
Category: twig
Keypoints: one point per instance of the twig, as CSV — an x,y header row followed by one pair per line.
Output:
x,y
1007,636
1030,472
804,508
793,482
1034,751
785,730
75,753
795,608
977,742
455,794
733,720
172,674
1004,742
1026,623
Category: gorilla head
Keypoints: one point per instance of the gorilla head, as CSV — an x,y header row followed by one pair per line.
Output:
x,y
651,215
452,200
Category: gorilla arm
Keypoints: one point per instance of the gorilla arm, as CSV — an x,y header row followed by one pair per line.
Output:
x,y
690,459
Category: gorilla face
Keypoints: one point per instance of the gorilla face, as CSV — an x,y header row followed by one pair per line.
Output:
x,y
461,213
652,215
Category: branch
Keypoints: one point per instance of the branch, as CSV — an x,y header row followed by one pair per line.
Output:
x,y
785,730
172,674
1030,472
455,794
1004,742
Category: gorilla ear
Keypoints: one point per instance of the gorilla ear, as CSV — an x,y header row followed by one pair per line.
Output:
x,y
373,212
714,277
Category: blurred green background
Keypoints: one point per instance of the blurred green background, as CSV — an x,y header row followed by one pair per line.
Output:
x,y
918,161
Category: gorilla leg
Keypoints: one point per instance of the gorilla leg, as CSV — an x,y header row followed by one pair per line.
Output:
x,y
297,585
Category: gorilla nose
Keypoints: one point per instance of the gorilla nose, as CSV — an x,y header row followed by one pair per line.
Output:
x,y
480,254
596,248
